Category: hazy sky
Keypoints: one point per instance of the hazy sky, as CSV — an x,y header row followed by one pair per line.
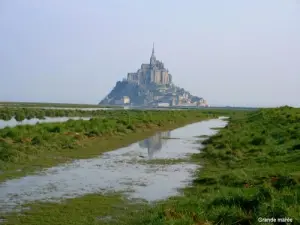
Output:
x,y
229,52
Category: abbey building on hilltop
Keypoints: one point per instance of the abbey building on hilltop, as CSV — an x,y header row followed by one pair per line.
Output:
x,y
150,86
155,72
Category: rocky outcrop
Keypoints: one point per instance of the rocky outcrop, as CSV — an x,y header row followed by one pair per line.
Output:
x,y
149,95
136,93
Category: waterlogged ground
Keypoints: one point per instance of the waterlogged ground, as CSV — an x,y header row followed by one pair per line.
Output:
x,y
13,122
152,169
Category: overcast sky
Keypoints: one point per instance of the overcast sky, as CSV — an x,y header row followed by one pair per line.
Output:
x,y
239,53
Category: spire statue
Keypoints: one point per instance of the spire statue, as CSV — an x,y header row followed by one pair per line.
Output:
x,y
153,58
153,49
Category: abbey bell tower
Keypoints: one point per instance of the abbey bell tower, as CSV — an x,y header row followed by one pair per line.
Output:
x,y
155,72
152,58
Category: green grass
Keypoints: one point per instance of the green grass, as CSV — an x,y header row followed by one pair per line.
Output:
x,y
25,149
251,170
24,111
21,113
45,104
92,209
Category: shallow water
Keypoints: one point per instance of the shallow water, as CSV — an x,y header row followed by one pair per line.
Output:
x,y
119,170
12,122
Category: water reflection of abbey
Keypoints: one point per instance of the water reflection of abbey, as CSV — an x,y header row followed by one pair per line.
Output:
x,y
155,143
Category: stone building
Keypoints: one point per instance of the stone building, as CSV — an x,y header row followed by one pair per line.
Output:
x,y
155,72
125,100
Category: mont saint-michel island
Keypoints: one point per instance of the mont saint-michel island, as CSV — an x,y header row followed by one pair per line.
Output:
x,y
152,86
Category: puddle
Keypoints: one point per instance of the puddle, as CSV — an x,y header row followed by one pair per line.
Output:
x,y
2,220
118,170
105,218
13,122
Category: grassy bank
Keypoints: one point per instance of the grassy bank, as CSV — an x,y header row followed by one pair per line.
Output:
x,y
91,209
97,208
251,171
28,148
48,104
21,113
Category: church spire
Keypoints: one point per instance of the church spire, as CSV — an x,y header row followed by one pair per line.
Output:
x,y
153,58
153,49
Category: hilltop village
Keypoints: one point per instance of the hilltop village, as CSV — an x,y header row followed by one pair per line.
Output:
x,y
151,85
